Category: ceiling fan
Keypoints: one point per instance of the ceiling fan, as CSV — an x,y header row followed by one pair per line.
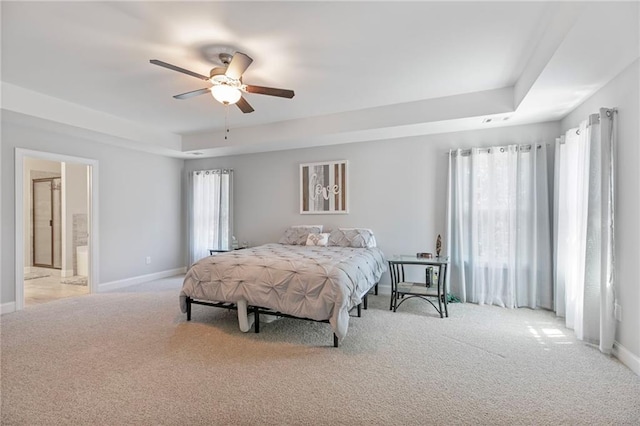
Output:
x,y
227,82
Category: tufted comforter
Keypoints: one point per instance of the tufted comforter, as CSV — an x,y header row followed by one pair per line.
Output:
x,y
320,283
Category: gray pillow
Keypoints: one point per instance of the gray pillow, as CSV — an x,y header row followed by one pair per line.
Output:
x,y
297,235
352,237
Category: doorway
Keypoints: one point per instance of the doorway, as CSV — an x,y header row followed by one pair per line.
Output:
x,y
56,227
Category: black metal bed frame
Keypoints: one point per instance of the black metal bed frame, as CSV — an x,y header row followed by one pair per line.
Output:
x,y
257,310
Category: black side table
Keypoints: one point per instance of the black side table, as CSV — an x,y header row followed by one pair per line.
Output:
x,y
402,290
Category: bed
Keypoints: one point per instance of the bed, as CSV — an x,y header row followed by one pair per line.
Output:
x,y
319,283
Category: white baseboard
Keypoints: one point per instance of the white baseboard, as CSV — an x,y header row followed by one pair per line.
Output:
x,y
6,308
64,273
140,279
627,357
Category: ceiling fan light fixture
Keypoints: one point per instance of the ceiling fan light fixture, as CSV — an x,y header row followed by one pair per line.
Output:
x,y
225,94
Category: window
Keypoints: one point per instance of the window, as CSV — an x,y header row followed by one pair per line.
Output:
x,y
211,212
499,226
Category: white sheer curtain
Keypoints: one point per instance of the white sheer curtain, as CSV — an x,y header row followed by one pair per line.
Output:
x,y
584,240
211,212
499,226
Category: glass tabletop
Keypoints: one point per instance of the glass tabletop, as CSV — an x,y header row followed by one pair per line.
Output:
x,y
413,259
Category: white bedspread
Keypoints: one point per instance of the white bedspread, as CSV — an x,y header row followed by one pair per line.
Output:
x,y
320,283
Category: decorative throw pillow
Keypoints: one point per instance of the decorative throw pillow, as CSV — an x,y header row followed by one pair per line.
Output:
x,y
297,235
318,239
352,237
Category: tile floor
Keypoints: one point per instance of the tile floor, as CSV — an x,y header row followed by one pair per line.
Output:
x,y
49,288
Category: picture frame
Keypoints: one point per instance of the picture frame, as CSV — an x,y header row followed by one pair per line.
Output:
x,y
324,187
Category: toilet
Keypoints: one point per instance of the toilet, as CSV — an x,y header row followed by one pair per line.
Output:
x,y
82,256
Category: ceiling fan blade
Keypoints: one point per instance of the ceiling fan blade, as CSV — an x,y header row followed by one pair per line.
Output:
x,y
192,94
175,68
283,93
244,106
238,65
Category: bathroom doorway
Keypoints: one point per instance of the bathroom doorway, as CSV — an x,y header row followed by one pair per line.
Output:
x,y
56,214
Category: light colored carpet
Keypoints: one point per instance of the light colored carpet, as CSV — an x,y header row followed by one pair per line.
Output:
x,y
130,357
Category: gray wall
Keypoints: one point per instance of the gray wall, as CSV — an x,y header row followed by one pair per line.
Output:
x,y
623,93
397,187
140,201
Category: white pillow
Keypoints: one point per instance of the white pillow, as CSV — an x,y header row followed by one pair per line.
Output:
x,y
318,239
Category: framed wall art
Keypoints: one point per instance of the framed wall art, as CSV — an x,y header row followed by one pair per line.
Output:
x,y
323,188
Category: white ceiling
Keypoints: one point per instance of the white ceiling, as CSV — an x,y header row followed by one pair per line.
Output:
x,y
360,70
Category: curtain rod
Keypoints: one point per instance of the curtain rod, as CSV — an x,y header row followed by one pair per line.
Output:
x,y
593,119
488,150
212,171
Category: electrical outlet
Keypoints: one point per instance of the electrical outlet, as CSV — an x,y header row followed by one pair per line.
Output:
x,y
148,260
617,312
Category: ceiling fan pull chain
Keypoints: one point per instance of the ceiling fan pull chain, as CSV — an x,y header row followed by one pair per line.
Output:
x,y
226,120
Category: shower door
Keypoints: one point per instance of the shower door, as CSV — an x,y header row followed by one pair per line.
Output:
x,y
47,242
